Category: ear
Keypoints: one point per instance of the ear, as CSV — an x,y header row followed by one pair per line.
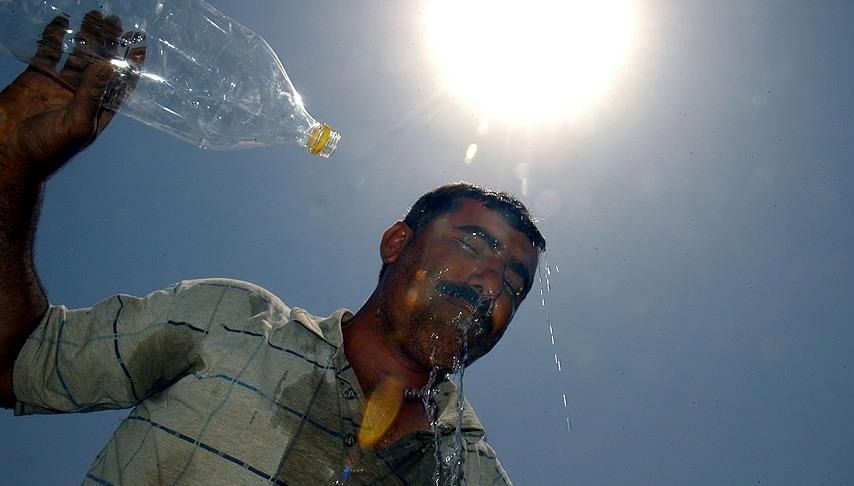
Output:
x,y
394,241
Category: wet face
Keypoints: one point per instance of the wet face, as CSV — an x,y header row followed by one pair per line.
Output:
x,y
452,288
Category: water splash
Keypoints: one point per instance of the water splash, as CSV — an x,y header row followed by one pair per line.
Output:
x,y
544,279
450,461
432,411
454,457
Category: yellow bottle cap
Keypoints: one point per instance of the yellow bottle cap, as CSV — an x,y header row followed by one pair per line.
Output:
x,y
322,140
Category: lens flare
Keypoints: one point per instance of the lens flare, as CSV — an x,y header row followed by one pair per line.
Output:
x,y
383,407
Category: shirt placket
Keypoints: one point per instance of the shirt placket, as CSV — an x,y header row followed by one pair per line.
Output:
x,y
351,403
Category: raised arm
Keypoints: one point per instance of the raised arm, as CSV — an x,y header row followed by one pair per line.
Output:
x,y
47,115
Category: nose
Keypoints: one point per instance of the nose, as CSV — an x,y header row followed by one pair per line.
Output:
x,y
487,282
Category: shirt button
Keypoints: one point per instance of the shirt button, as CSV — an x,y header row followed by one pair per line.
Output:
x,y
349,440
349,393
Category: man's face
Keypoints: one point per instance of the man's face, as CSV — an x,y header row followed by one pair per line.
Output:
x,y
454,287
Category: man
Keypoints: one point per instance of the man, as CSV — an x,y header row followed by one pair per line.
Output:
x,y
228,384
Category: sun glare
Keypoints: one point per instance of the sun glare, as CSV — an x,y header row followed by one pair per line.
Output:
x,y
529,61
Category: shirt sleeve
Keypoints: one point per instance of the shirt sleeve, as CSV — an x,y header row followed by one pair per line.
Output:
x,y
112,355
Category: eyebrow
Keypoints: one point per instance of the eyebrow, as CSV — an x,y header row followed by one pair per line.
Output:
x,y
512,263
481,233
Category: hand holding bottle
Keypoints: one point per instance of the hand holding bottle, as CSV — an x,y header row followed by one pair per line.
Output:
x,y
208,79
51,112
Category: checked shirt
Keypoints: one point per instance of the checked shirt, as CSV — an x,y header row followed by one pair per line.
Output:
x,y
227,385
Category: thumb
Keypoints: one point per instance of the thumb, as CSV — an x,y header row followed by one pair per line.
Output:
x,y
87,101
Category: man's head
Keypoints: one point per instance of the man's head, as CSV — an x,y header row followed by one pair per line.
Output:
x,y
445,199
458,266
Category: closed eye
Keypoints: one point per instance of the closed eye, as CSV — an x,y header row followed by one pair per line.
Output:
x,y
468,247
515,291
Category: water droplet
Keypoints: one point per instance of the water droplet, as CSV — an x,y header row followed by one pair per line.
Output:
x,y
136,37
544,284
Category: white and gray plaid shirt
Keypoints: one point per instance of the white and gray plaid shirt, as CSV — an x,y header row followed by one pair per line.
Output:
x,y
229,386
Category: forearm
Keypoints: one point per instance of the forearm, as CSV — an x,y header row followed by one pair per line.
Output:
x,y
22,299
43,124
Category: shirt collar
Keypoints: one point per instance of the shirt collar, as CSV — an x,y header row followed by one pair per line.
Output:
x,y
448,406
326,328
329,330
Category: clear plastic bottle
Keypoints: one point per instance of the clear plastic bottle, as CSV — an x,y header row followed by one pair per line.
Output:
x,y
206,78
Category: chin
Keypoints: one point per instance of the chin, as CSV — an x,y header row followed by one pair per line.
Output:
x,y
436,342
452,355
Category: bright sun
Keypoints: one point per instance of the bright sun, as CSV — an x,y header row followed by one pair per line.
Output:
x,y
530,61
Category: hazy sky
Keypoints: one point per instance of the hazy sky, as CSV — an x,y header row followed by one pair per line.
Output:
x,y
699,216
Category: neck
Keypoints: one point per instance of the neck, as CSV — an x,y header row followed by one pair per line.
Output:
x,y
392,385
374,358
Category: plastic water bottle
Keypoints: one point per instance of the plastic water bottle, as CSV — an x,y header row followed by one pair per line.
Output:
x,y
206,78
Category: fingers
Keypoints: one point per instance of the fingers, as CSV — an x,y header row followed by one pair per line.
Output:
x,y
50,45
136,50
82,55
134,44
128,75
100,39
99,87
85,110
110,36
94,41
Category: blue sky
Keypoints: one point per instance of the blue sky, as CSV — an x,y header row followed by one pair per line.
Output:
x,y
699,216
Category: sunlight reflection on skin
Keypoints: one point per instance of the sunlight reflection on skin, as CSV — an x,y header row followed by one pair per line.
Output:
x,y
380,412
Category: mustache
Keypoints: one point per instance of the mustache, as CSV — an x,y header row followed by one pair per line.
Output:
x,y
482,307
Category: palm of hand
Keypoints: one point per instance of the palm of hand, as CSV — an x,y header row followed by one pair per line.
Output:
x,y
46,116
40,124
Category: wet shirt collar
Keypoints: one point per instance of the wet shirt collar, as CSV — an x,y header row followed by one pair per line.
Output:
x,y
329,330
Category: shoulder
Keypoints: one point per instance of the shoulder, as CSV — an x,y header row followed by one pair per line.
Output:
x,y
489,465
225,293
222,283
